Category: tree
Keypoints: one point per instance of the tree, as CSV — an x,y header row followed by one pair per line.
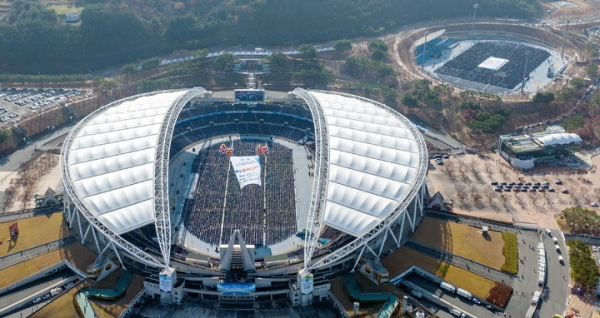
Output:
x,y
4,134
410,101
200,54
225,62
565,93
572,123
128,69
577,82
378,44
308,50
543,97
278,61
592,70
378,55
343,45
150,63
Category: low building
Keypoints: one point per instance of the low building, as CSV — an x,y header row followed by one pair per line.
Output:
x,y
553,146
72,17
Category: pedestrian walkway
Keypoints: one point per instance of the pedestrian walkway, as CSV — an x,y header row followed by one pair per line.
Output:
x,y
21,256
391,301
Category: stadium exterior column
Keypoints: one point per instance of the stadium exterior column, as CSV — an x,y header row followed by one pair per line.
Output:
x,y
382,243
401,227
96,239
79,224
358,259
87,231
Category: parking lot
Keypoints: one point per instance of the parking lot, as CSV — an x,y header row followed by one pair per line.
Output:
x,y
15,103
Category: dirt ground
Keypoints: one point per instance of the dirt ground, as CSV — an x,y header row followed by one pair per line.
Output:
x,y
403,258
109,309
585,9
341,294
462,240
465,181
34,231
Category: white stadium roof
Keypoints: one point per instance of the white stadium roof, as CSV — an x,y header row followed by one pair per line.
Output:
x,y
374,158
559,139
114,165
111,161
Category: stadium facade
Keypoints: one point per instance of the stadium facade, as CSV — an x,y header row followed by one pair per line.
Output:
x,y
122,165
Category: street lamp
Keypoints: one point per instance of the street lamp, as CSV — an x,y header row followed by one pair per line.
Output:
x,y
473,24
423,54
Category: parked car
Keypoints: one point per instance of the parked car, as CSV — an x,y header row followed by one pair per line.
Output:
x,y
37,300
594,204
416,293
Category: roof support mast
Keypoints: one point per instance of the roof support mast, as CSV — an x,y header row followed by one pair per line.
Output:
x,y
314,222
161,173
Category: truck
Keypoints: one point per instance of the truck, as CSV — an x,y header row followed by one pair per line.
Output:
x,y
448,287
464,293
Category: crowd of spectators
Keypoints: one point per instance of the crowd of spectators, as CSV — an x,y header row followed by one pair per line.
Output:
x,y
254,210
466,64
208,120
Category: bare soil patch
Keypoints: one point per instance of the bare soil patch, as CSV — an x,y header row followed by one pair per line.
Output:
x,y
499,295
464,181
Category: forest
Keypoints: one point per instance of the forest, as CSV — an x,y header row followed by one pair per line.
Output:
x,y
35,40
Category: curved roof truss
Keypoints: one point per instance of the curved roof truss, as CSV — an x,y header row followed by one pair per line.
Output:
x,y
166,118
372,123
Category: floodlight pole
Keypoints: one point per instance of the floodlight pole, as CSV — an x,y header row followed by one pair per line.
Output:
x,y
423,54
525,71
473,24
562,53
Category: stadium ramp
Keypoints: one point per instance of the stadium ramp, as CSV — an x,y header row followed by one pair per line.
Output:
x,y
82,298
391,301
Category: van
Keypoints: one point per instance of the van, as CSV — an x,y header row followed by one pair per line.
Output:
x,y
549,232
555,240
557,247
561,260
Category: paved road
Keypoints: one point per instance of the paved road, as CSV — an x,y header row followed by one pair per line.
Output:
x,y
557,277
459,302
526,283
32,289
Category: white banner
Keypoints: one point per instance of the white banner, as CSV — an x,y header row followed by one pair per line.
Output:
x,y
247,170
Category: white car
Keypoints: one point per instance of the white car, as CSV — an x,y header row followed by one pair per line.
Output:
x,y
477,301
594,204
456,312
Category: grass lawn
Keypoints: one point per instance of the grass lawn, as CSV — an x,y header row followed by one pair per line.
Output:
x,y
462,240
511,253
74,253
63,9
403,258
33,231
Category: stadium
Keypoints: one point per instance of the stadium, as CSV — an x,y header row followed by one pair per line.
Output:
x,y
239,198
490,63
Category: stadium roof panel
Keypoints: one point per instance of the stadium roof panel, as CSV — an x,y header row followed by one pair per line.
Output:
x,y
112,158
374,157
